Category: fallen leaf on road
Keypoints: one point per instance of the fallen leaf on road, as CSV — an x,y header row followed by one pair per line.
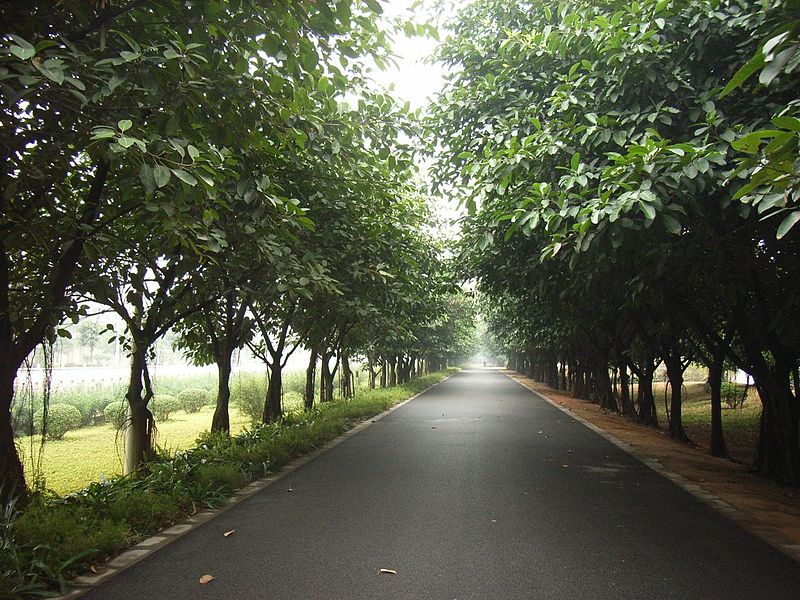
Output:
x,y
494,520
565,466
387,572
290,489
433,427
229,533
93,569
206,578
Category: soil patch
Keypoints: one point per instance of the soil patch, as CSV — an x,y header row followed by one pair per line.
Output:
x,y
767,508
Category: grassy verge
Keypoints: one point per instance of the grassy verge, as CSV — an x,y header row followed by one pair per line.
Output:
x,y
739,425
56,537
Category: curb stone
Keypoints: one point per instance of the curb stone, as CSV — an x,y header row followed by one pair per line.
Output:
x,y
83,584
772,536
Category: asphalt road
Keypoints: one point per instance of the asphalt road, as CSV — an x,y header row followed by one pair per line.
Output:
x,y
477,489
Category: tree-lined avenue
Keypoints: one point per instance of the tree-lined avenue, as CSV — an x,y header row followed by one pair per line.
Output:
x,y
476,489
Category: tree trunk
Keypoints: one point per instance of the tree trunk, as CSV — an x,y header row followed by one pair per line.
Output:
x,y
273,406
311,376
347,377
383,373
393,371
371,374
647,403
715,368
628,408
221,420
777,454
324,376
12,473
672,361
603,391
141,425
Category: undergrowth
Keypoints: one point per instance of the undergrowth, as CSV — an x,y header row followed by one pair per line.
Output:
x,y
55,537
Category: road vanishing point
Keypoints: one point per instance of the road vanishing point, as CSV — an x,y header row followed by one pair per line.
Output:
x,y
476,489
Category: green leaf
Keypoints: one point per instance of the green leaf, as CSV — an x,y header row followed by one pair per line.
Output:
x,y
670,223
648,210
185,177
162,175
744,73
792,123
22,48
23,53
575,161
751,142
125,124
102,133
790,221
147,178
126,142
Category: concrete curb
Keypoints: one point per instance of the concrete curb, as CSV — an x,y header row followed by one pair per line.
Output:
x,y
770,535
85,583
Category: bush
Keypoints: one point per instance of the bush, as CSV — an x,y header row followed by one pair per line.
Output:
x,y
63,532
163,405
292,401
248,394
734,394
193,399
115,414
61,418
144,511
226,477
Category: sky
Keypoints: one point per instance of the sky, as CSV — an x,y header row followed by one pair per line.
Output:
x,y
414,80
417,80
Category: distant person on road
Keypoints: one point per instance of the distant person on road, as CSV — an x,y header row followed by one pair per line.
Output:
x,y
484,364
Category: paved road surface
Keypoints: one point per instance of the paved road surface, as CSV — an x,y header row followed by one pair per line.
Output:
x,y
476,490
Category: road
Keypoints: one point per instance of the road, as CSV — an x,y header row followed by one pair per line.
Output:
x,y
478,489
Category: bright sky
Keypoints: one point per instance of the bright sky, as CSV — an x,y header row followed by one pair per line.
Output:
x,y
413,79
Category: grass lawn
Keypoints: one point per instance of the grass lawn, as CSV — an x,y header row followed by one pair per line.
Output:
x,y
91,453
739,426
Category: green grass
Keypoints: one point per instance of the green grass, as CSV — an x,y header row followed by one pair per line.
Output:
x,y
739,426
94,453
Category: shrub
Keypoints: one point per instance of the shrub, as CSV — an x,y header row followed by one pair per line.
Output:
x,y
193,399
734,394
248,393
144,511
292,401
61,418
65,532
163,405
215,476
115,414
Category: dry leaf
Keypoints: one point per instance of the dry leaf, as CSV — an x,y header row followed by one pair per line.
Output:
x,y
229,533
290,489
387,572
494,520
206,578
564,466
93,569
